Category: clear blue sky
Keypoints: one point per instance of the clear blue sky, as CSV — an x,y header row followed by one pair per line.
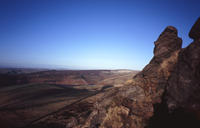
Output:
x,y
88,34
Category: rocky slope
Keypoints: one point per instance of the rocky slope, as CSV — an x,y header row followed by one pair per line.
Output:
x,y
169,83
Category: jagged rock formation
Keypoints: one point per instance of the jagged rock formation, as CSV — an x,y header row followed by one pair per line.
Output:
x,y
180,106
173,73
194,32
184,84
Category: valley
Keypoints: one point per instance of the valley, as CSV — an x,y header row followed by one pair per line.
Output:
x,y
28,97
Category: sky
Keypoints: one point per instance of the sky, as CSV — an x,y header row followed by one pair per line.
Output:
x,y
88,34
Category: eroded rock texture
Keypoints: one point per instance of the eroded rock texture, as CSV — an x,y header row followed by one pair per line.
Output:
x,y
172,71
184,84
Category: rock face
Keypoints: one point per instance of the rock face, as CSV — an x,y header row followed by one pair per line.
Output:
x,y
172,74
194,32
184,84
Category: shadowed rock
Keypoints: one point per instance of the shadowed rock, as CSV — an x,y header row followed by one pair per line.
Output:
x,y
184,84
180,106
195,31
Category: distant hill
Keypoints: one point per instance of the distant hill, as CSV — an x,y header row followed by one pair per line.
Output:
x,y
64,77
15,71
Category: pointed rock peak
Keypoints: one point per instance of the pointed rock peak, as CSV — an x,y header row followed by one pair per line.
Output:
x,y
195,30
170,30
167,42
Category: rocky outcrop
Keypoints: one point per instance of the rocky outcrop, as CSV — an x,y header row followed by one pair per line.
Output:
x,y
184,84
173,74
180,106
194,32
153,78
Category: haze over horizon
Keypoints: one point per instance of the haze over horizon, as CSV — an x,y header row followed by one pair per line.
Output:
x,y
88,34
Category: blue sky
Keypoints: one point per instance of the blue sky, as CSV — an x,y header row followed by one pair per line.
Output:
x,y
88,34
